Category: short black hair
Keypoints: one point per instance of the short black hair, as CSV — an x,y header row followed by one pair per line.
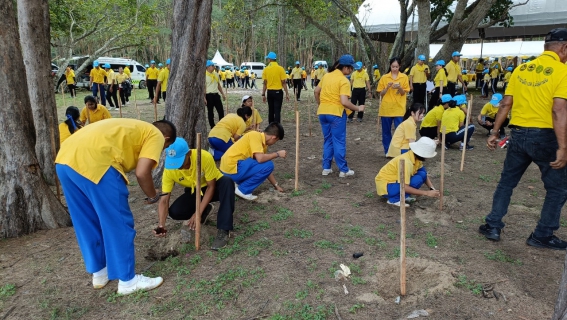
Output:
x,y
167,128
90,99
275,129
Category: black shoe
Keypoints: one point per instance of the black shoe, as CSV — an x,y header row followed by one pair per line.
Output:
x,y
551,242
490,232
221,240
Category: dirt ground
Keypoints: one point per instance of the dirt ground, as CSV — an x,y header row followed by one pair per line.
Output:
x,y
285,249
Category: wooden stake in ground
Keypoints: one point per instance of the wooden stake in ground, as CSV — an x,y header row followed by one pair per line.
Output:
x,y
378,113
296,144
442,183
309,110
469,107
402,227
253,121
54,156
198,194
226,99
63,94
155,110
119,102
136,102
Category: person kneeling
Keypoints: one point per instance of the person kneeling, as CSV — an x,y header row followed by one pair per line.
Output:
x,y
388,180
488,114
181,168
454,122
247,162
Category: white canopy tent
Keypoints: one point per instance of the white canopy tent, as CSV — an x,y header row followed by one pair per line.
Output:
x,y
219,60
496,49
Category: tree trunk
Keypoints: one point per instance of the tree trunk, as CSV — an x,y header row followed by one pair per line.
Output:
x,y
33,22
560,312
27,202
423,27
398,48
185,105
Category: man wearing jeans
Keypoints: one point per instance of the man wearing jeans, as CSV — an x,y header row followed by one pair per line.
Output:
x,y
274,81
537,99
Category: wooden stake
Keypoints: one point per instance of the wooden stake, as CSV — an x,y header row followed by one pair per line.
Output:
x,y
469,107
378,113
136,102
442,183
54,156
296,145
253,122
402,228
155,110
119,101
226,100
63,94
309,110
198,194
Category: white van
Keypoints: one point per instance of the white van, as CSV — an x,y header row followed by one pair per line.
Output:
x,y
138,72
256,67
323,62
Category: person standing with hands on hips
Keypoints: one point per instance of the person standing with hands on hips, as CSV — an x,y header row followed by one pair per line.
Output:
x,y
538,125
454,74
274,81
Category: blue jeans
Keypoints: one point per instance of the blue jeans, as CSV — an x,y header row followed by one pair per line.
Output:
x,y
527,146
416,182
250,174
220,147
99,88
387,130
334,140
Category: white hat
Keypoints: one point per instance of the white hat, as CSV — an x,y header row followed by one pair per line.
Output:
x,y
246,98
424,147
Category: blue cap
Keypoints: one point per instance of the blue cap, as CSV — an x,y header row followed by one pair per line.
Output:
x,y
320,64
375,66
272,56
210,63
153,62
456,54
160,64
509,68
496,98
168,61
421,57
444,98
296,62
316,67
147,66
107,66
302,68
287,72
347,60
460,99
95,63
440,62
358,65
465,71
496,65
175,154
485,71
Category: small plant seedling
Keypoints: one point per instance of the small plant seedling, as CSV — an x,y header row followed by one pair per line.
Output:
x,y
355,308
431,240
485,178
296,193
369,194
282,214
326,186
288,175
499,255
392,235
7,290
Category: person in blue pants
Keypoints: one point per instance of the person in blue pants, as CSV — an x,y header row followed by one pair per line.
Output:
x,y
92,166
248,163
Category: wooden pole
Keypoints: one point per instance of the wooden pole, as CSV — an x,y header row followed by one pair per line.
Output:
x,y
309,110
442,184
226,99
402,228
253,122
198,194
119,101
136,102
54,156
155,110
296,144
63,94
469,107
378,113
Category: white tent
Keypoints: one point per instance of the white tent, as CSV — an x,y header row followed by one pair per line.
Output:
x,y
219,60
496,49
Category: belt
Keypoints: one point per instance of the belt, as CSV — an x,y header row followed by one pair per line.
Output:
x,y
529,128
275,89
212,93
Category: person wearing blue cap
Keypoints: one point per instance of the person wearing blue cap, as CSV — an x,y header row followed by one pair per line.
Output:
x,y
431,123
507,77
478,72
488,114
485,83
454,122
360,83
96,84
465,77
296,78
304,78
212,89
275,79
180,168
152,73
494,75
440,83
332,96
247,78
161,87
111,87
319,73
454,74
418,78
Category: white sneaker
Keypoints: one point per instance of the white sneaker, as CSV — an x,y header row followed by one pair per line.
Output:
x,y
142,283
212,151
245,196
127,102
346,174
100,282
327,171
397,204
410,200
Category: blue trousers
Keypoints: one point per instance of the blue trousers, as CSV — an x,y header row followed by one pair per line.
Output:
x,y
334,140
96,88
103,222
453,137
387,130
416,181
250,174
220,147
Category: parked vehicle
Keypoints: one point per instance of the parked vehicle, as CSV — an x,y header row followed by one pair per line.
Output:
x,y
138,72
323,62
256,67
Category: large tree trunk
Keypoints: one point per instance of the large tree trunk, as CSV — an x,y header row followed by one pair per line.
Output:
x,y
185,105
27,203
399,42
423,27
33,22
560,312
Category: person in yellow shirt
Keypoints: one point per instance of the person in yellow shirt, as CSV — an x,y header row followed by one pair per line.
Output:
x,y
297,81
377,75
304,78
230,128
92,166
454,74
253,79
152,74
431,123
163,77
243,78
111,87
93,112
229,78
485,83
212,97
494,74
440,82
71,83
488,114
122,80
478,70
96,84
360,83
247,78
222,75
388,178
313,77
454,122
465,77
70,125
237,76
253,123
181,168
319,73
332,95
507,77
248,162
418,79
406,132
393,88
128,72
274,77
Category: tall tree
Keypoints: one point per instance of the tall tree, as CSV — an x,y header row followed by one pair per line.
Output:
x,y
423,27
27,202
33,22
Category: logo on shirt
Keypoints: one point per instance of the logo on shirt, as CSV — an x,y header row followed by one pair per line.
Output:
x,y
548,71
181,179
539,69
171,153
531,67
523,67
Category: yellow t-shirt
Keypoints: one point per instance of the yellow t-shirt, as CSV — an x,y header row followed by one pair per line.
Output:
x,y
152,73
257,120
227,127
390,173
273,75
465,78
454,71
312,73
121,77
479,67
212,82
70,77
253,76
333,85
452,118
418,73
100,113
393,104
246,73
507,77
237,73
110,76
486,77
222,75
117,143
97,74
319,73
494,73
376,75
244,148
242,75
440,76
229,74
431,118
400,140
359,79
533,86
64,132
296,73
127,71
489,110
163,78
187,177
303,74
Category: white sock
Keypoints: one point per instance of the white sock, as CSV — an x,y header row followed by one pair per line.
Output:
x,y
462,144
101,272
128,283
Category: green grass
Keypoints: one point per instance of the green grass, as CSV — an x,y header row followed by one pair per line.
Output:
x,y
500,256
431,240
369,194
395,253
355,232
282,214
297,193
326,186
299,233
485,178
326,244
463,282
374,242
7,290
303,311
354,309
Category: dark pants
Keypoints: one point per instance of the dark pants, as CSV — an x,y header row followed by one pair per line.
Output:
x,y
98,88
419,93
451,88
214,101
151,88
478,82
527,146
312,83
183,207
434,101
502,130
164,95
247,82
484,88
72,90
230,82
430,132
275,100
453,137
123,96
494,82
358,97
297,86
303,81
112,95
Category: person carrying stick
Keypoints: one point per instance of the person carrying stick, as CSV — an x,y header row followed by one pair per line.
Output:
x,y
388,182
